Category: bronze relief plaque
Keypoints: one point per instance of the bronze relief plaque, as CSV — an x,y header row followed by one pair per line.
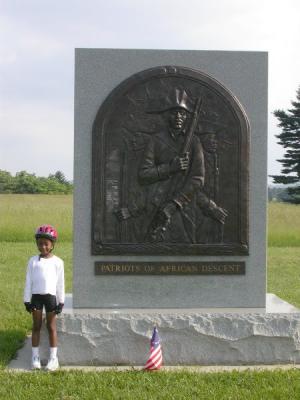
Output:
x,y
170,167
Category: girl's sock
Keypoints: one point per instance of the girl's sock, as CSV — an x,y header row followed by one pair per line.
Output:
x,y
35,352
53,352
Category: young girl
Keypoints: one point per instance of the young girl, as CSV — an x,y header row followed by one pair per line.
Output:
x,y
45,287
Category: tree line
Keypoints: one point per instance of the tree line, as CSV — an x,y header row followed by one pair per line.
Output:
x,y
24,182
279,194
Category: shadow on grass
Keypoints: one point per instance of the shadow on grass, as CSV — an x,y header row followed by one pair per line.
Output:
x,y
11,341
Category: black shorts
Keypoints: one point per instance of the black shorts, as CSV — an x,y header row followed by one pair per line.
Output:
x,y
40,300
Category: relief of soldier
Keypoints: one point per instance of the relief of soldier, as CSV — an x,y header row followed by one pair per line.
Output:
x,y
210,217
170,167
171,200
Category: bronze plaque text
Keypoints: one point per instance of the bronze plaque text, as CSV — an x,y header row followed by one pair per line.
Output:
x,y
169,268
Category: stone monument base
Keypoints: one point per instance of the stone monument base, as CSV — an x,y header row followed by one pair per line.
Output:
x,y
188,337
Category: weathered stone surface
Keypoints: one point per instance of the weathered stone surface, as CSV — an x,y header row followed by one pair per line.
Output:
x,y
187,339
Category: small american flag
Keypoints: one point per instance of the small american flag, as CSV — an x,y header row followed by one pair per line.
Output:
x,y
155,357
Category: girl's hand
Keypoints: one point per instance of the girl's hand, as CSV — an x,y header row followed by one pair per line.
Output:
x,y
59,308
28,307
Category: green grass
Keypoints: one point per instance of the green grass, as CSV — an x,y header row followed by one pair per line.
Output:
x,y
21,214
283,225
284,273
267,385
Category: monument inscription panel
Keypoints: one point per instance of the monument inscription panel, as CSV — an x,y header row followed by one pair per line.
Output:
x,y
170,167
169,268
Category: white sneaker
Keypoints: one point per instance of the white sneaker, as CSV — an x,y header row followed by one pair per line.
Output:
x,y
52,364
35,362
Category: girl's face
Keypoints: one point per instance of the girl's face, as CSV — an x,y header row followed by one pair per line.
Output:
x,y
45,246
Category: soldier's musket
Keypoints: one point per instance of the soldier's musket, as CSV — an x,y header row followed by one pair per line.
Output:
x,y
158,231
216,197
194,123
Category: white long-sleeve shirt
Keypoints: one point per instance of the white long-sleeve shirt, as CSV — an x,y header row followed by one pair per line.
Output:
x,y
45,275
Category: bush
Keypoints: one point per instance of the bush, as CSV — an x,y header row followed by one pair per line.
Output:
x,y
24,182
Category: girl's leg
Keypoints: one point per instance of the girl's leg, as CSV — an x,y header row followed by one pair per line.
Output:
x,y
36,327
51,326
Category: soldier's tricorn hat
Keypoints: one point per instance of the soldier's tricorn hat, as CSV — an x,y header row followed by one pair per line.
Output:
x,y
176,99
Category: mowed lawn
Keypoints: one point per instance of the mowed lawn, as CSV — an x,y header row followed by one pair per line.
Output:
x,y
283,225
20,214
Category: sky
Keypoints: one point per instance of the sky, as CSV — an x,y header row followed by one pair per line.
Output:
x,y
38,38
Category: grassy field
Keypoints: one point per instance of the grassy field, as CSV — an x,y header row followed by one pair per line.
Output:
x,y
283,225
20,214
284,273
267,385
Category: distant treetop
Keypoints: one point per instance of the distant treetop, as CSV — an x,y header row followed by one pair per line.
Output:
x,y
24,182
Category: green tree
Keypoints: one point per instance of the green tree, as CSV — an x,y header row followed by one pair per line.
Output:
x,y
278,193
289,138
60,177
59,183
6,182
26,183
55,186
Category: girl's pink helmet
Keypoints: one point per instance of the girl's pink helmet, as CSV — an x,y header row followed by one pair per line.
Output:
x,y
47,232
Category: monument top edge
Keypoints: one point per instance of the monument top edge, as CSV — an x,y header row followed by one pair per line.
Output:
x,y
164,50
